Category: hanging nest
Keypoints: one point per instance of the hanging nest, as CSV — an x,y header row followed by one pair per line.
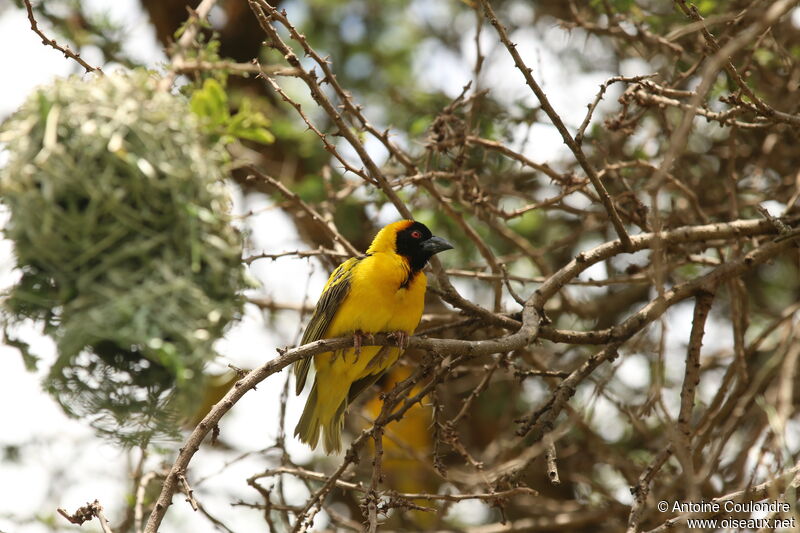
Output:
x,y
121,230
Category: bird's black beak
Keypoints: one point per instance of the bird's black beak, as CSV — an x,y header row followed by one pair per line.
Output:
x,y
434,245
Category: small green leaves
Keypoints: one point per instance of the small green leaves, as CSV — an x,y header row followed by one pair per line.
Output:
x,y
210,103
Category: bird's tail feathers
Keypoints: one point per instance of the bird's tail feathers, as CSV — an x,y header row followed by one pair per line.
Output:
x,y
333,430
308,427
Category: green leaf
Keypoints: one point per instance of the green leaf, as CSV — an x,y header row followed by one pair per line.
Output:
x,y
250,125
259,135
419,125
211,103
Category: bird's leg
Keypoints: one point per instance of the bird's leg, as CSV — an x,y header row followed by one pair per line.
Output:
x,y
358,338
401,337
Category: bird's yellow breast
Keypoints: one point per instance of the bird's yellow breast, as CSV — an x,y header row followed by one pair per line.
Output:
x,y
381,298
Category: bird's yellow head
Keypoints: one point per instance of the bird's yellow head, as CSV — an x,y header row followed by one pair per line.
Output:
x,y
410,239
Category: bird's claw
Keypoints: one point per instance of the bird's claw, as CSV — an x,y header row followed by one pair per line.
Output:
x,y
401,337
358,340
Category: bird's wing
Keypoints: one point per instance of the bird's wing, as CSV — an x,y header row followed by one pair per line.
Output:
x,y
360,385
333,295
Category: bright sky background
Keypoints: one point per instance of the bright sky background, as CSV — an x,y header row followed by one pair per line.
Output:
x,y
63,464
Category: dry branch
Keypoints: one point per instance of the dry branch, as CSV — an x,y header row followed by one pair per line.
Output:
x,y
559,124
52,42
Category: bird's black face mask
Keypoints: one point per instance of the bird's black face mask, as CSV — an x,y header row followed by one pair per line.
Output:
x,y
417,244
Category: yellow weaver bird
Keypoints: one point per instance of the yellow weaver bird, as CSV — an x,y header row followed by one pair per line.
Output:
x,y
384,291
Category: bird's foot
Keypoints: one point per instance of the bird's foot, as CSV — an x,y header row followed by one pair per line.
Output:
x,y
358,340
401,337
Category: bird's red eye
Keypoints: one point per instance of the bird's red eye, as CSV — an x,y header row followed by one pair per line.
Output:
x,y
416,234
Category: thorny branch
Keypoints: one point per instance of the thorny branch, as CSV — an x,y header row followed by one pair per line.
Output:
x,y
691,378
524,336
559,124
86,513
190,31
519,339
52,42
266,13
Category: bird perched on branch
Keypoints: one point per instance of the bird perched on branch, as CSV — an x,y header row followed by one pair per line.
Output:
x,y
384,291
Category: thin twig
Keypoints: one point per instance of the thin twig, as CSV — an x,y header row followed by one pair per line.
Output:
x,y
86,513
360,488
326,225
326,143
522,337
642,488
52,42
542,419
185,66
190,30
550,460
138,508
691,378
592,106
265,14
559,124
297,253
694,14
680,135
188,491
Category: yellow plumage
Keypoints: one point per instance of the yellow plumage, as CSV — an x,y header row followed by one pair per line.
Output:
x,y
381,292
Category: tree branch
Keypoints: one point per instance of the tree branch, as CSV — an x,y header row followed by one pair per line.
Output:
x,y
514,341
52,42
559,124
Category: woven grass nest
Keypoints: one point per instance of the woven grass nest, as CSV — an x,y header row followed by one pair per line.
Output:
x,y
119,218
